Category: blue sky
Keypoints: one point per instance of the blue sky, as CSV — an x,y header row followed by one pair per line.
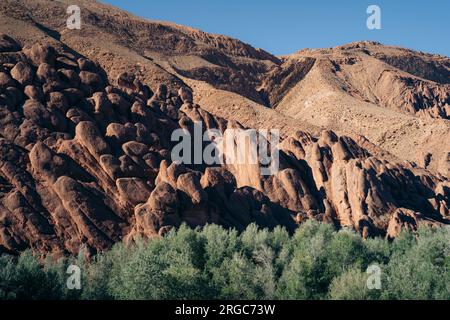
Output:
x,y
286,26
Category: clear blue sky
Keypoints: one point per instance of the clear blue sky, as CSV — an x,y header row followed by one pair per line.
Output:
x,y
285,26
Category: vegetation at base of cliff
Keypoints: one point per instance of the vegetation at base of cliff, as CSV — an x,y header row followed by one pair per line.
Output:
x,y
316,262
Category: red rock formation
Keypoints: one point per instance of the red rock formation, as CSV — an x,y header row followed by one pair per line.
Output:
x,y
86,162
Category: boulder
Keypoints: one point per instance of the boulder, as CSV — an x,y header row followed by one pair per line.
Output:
x,y
88,135
66,63
126,80
87,65
77,115
70,77
161,92
34,93
163,198
133,190
57,100
6,80
130,168
42,53
120,104
73,95
119,134
135,149
93,80
22,73
111,165
40,115
189,183
46,73
185,94
47,163
102,105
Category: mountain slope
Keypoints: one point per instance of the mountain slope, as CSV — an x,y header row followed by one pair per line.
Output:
x,y
351,86
351,92
86,119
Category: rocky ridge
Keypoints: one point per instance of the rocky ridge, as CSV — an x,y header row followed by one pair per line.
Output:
x,y
85,162
395,98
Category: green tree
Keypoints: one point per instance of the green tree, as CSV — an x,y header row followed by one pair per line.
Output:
x,y
350,285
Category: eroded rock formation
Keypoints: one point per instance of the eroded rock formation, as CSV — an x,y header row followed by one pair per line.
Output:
x,y
84,162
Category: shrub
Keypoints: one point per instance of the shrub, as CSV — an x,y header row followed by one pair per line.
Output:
x,y
350,285
316,262
24,278
420,270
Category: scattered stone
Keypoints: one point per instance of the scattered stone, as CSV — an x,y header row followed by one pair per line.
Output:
x,y
42,53
22,73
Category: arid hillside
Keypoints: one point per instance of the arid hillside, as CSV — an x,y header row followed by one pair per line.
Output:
x,y
86,118
394,97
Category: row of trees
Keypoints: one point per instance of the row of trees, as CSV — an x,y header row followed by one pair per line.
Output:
x,y
316,262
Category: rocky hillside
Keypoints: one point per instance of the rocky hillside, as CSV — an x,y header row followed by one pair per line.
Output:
x,y
396,98
86,118
87,162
